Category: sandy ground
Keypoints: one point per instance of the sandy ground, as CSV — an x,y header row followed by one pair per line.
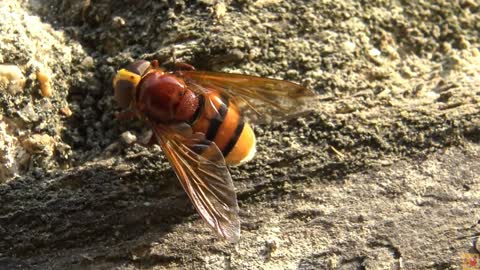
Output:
x,y
382,173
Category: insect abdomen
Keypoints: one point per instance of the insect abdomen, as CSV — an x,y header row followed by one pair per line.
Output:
x,y
222,123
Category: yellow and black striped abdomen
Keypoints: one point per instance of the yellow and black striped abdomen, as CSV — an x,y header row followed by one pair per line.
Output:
x,y
221,122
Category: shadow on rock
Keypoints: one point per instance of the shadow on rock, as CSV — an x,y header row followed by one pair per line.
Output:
x,y
90,212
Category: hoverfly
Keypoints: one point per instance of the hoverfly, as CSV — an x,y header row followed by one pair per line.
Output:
x,y
199,120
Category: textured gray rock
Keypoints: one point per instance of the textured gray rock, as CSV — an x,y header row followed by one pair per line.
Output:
x,y
381,173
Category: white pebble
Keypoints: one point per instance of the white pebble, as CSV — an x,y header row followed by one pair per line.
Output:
x,y
374,52
128,137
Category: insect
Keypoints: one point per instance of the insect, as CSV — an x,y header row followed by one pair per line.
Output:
x,y
199,120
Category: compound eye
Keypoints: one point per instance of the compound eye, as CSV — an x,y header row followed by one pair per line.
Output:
x,y
139,67
124,90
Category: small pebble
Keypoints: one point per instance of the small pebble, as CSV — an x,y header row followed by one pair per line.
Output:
x,y
45,85
66,111
11,78
220,10
128,137
88,62
374,52
28,113
118,21
349,46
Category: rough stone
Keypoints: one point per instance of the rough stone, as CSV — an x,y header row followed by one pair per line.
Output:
x,y
381,173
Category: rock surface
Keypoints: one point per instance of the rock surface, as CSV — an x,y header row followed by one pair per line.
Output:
x,y
382,173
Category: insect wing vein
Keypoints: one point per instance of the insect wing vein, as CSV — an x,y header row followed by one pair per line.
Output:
x,y
207,181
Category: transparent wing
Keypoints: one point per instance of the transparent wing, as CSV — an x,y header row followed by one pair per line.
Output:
x,y
264,96
201,169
